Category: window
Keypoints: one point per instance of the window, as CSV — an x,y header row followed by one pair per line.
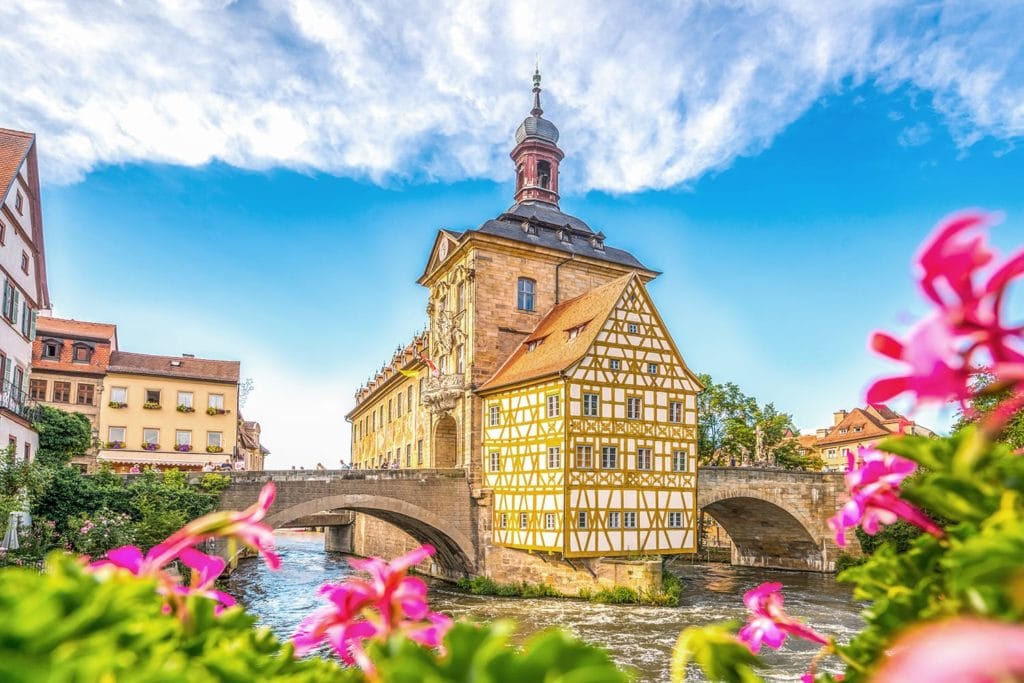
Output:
x,y
408,401
419,452
408,455
86,394
503,521
390,409
3,234
81,353
544,174
523,520
28,451
574,332
858,429
61,392
116,434
679,462
643,458
554,457
549,520
675,411
581,519
494,413
373,421
584,457
19,202
525,291
633,328
534,343
153,396
495,464
675,520
185,400
460,359
216,401
12,301
460,297
629,520
215,439
398,406
590,405
553,408
183,437
652,368
614,520
633,408
614,364
51,349
24,262
119,395
151,436
37,389
609,458
18,382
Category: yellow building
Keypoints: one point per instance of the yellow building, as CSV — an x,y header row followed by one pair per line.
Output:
x,y
548,375
168,411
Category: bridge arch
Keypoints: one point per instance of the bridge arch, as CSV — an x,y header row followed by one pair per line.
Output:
x,y
766,532
455,551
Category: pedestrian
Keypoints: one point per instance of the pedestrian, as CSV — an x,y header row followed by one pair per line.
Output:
x,y
320,466
208,467
134,470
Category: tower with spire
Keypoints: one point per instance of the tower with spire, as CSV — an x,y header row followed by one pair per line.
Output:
x,y
536,154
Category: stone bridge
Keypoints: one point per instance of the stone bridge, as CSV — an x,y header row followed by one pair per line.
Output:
x,y
775,518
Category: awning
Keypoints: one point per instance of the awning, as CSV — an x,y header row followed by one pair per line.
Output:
x,y
157,458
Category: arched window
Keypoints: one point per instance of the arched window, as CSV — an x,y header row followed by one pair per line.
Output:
x,y
525,293
544,174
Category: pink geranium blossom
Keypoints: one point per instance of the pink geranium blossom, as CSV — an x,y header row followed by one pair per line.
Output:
x,y
360,610
966,332
244,527
874,495
769,624
963,650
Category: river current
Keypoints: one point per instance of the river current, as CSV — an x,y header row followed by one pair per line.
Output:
x,y
637,637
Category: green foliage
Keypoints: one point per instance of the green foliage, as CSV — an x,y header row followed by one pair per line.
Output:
x,y
971,486
617,595
734,427
211,482
482,585
716,650
64,625
62,436
485,653
986,399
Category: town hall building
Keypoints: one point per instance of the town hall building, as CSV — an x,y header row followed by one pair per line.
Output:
x,y
546,372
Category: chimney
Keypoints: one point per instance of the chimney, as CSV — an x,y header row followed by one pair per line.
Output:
x,y
821,433
838,417
188,355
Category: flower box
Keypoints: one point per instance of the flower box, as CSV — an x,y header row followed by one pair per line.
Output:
x,y
183,447
116,445
186,409
214,449
147,446
117,404
151,405
216,411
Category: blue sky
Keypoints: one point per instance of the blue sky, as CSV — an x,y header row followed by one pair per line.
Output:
x,y
240,199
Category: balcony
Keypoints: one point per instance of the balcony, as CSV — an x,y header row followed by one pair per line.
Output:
x,y
441,393
16,401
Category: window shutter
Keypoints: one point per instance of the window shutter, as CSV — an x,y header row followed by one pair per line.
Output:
x,y
7,297
24,384
32,326
26,318
16,296
8,367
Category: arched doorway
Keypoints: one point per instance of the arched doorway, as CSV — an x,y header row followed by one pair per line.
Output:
x,y
445,442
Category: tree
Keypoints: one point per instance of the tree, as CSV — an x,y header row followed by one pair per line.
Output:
x,y
719,407
62,436
986,398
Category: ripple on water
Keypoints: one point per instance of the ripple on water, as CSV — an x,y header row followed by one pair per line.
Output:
x,y
638,637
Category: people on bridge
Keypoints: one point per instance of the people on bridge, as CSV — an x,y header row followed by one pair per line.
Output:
x,y
320,466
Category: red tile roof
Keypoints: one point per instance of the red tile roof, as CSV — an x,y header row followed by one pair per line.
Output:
x,y
556,351
101,337
14,147
64,327
175,366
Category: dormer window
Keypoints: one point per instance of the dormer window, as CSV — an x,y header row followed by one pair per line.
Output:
x,y
533,344
843,430
51,349
81,353
597,241
529,228
574,332
19,202
564,235
525,293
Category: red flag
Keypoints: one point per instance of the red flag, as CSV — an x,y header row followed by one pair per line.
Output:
x,y
430,364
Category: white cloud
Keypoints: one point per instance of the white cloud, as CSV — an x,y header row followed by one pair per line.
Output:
x,y
645,96
915,135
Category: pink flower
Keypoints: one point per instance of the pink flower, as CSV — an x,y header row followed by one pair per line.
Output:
x,y
961,650
965,333
769,624
874,495
389,602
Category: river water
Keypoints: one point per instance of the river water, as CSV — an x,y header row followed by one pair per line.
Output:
x,y
637,637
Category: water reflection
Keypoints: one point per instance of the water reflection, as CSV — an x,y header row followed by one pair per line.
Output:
x,y
640,637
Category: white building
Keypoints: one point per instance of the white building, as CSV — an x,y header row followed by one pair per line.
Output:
x,y
23,270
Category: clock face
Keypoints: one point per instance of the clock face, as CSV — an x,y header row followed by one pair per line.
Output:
x,y
443,251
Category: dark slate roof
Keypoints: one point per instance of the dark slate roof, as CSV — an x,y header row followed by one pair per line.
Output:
x,y
537,127
550,221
